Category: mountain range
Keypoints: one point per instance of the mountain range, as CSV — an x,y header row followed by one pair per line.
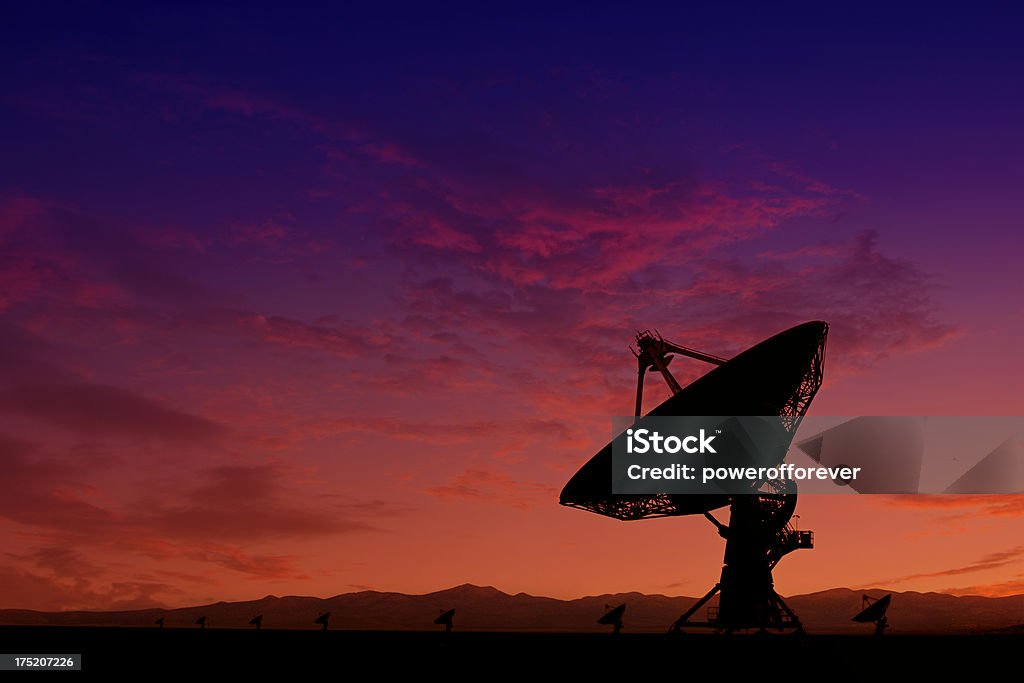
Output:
x,y
483,608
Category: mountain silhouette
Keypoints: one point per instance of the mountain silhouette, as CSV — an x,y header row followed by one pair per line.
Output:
x,y
484,608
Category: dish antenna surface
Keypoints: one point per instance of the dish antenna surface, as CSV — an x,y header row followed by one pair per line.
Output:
x,y
159,622
257,621
323,619
201,621
613,617
445,619
874,611
780,376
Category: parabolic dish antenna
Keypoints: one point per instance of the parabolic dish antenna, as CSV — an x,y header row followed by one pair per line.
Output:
x,y
779,376
446,619
323,620
875,612
613,617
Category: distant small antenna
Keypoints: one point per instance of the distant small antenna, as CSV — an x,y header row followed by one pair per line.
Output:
x,y
323,619
159,622
201,621
445,619
613,617
874,612
257,621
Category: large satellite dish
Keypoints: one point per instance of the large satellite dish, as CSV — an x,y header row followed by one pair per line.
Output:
x,y
779,376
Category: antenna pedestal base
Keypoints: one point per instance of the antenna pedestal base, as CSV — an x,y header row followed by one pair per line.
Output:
x,y
758,535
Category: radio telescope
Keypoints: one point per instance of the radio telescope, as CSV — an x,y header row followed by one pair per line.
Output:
x,y
446,619
779,376
613,617
874,611
323,620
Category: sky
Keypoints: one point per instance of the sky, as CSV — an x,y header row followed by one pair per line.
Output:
x,y
314,301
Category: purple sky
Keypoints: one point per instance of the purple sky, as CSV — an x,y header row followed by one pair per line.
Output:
x,y
296,303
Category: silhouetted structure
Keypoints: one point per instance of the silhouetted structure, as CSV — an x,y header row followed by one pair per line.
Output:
x,y
201,621
779,376
257,621
874,611
446,619
323,619
159,622
613,617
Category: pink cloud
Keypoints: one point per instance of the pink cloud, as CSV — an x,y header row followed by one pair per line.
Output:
x,y
270,232
257,567
437,235
101,409
230,508
241,102
492,486
994,560
998,589
240,503
965,506
16,213
47,492
46,590
390,153
287,332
